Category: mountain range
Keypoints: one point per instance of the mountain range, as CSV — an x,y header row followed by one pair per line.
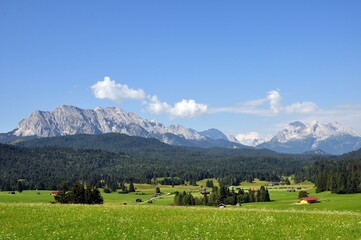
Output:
x,y
331,138
296,138
70,120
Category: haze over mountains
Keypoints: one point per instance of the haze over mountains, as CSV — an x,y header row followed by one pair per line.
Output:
x,y
298,137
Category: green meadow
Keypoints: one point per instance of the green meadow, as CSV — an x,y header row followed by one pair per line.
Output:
x,y
30,215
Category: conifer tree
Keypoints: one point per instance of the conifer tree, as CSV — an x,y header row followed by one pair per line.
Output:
x,y
62,196
267,197
209,183
124,189
131,187
251,197
96,197
302,194
214,197
205,199
78,193
177,199
19,186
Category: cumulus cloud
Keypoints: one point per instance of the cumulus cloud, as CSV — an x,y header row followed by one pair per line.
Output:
x,y
275,101
109,89
188,108
155,106
270,105
183,109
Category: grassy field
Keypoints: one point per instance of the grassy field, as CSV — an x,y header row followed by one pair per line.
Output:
x,y
281,199
46,221
29,215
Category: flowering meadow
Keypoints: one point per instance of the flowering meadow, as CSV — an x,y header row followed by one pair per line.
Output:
x,y
116,221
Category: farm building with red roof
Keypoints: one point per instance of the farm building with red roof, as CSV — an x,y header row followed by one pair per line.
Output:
x,y
308,200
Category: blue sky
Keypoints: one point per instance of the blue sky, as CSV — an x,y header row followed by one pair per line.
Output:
x,y
239,66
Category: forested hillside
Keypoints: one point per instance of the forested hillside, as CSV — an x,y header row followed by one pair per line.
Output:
x,y
47,167
138,146
341,175
112,159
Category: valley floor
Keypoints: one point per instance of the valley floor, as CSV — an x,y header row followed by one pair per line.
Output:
x,y
30,215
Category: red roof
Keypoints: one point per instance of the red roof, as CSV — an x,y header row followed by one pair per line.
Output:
x,y
310,199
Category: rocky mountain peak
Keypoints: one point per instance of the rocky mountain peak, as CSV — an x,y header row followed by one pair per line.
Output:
x,y
71,120
215,134
298,137
297,124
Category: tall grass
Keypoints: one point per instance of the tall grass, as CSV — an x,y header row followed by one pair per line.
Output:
x,y
116,221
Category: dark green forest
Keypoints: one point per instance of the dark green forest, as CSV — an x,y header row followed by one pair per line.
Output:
x,y
47,167
341,175
114,159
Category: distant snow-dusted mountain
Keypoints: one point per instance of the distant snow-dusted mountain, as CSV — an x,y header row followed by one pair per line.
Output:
x,y
70,120
214,134
298,137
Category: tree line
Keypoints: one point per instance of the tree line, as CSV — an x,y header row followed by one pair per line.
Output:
x,y
78,194
222,195
47,167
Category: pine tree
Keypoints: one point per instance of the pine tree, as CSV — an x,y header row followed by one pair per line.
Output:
x,y
251,197
177,199
234,196
124,189
260,197
302,194
77,193
88,196
113,185
131,187
209,183
214,197
19,186
96,197
267,197
205,200
223,192
62,196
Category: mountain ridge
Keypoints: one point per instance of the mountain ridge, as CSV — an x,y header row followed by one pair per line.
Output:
x,y
71,120
298,138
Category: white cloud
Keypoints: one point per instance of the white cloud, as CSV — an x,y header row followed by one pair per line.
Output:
x,y
275,101
109,89
248,138
155,106
258,107
188,108
184,109
304,107
115,91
